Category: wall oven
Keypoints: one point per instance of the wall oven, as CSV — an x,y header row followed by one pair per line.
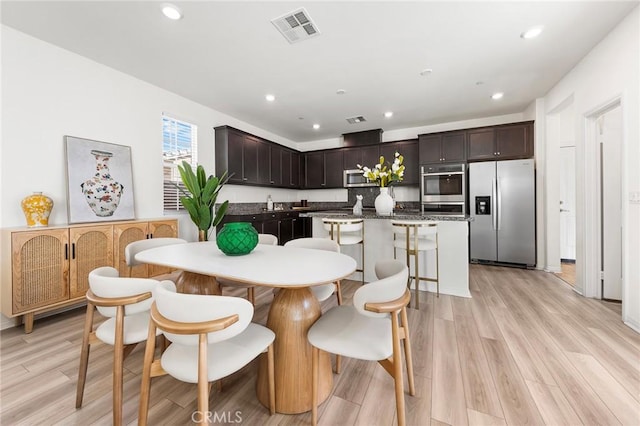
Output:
x,y
355,179
443,188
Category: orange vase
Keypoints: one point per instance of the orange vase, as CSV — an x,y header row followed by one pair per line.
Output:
x,y
36,208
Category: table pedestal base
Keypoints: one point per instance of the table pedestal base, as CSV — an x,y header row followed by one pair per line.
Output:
x,y
192,283
292,313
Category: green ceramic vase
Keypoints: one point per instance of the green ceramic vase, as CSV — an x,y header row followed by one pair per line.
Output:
x,y
237,238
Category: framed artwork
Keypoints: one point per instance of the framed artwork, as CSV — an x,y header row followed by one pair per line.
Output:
x,y
99,182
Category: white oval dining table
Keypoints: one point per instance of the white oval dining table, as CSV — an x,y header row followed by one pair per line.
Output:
x,y
292,312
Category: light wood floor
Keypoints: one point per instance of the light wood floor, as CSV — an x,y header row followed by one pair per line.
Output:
x,y
524,350
568,273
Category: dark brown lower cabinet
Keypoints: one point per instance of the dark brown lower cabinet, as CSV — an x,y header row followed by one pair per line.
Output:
x,y
284,225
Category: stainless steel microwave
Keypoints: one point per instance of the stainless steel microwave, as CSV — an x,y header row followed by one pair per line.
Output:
x,y
355,179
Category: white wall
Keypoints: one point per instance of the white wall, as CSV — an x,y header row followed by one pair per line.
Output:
x,y
611,70
48,92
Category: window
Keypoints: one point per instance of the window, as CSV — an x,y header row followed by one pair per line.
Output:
x,y
179,143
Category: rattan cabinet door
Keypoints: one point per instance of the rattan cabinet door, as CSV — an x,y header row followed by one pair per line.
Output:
x,y
162,229
91,247
125,233
40,269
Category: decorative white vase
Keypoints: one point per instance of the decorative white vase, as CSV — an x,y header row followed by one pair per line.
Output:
x,y
384,203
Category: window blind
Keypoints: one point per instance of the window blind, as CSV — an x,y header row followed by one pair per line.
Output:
x,y
179,143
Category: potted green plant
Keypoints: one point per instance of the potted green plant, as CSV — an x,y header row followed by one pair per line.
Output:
x,y
201,197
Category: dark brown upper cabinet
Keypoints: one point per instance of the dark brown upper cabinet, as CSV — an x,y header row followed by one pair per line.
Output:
x,y
409,151
290,167
447,147
504,142
237,153
252,160
333,173
364,155
314,169
323,169
275,165
366,137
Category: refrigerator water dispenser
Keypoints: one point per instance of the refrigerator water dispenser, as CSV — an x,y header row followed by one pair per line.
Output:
x,y
483,205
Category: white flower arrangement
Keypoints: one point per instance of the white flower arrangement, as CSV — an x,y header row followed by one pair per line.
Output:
x,y
385,173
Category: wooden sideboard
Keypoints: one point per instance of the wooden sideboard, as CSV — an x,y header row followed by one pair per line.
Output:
x,y
48,268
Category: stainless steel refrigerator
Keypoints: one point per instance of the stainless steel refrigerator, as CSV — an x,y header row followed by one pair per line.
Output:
x,y
503,211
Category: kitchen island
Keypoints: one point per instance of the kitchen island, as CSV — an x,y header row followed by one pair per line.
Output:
x,y
453,236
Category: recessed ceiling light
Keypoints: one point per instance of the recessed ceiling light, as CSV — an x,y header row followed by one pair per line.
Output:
x,y
497,96
340,92
388,114
316,126
270,98
531,33
426,72
171,11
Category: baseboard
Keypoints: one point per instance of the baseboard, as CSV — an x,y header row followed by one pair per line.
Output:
x,y
634,325
6,322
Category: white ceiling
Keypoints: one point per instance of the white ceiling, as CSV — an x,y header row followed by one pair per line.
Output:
x,y
228,55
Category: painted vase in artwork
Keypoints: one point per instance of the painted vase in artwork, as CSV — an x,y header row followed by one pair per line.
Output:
x,y
102,192
36,208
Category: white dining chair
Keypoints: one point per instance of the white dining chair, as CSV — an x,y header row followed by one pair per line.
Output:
x,y
136,247
369,330
267,239
125,302
212,337
321,292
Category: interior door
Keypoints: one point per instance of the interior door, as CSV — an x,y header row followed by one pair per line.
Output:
x,y
568,203
611,199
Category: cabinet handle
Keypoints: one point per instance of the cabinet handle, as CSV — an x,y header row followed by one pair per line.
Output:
x,y
66,251
245,178
272,182
73,250
495,153
498,152
150,236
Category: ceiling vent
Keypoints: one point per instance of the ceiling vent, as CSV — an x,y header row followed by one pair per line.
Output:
x,y
356,120
296,26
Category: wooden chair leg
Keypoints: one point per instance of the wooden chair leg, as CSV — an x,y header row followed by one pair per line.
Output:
x,y
251,295
203,381
315,355
339,293
407,351
145,386
118,360
272,380
84,355
338,364
397,369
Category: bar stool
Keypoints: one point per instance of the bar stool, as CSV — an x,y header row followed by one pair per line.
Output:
x,y
415,236
346,232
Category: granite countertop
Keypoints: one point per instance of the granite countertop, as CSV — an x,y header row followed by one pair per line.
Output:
x,y
401,214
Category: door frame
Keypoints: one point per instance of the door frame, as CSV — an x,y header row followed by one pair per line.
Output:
x,y
592,199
